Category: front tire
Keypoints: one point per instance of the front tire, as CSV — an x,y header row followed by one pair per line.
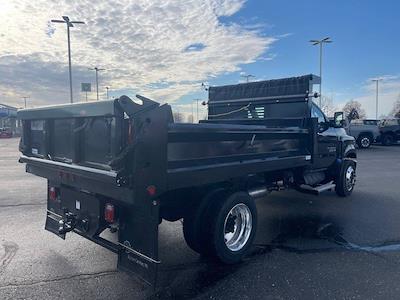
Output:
x,y
346,179
232,224
364,141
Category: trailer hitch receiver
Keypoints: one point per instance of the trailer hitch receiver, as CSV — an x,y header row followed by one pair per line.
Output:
x,y
67,223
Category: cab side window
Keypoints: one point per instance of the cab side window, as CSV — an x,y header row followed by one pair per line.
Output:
x,y
317,113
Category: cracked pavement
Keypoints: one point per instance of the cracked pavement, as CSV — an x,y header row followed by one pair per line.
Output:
x,y
307,247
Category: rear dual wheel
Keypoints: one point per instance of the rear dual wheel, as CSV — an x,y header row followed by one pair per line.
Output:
x,y
226,228
194,223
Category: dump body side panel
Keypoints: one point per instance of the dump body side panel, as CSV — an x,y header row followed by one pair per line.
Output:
x,y
208,153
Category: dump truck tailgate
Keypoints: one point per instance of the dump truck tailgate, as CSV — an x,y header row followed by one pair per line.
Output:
x,y
82,134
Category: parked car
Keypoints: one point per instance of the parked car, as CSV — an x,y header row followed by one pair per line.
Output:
x,y
389,131
5,132
364,131
125,166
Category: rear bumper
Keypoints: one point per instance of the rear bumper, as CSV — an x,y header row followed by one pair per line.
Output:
x,y
137,245
86,220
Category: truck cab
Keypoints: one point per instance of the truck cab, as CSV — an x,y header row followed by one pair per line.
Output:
x,y
334,132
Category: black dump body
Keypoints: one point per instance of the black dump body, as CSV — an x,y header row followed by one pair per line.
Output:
x,y
271,100
134,155
266,89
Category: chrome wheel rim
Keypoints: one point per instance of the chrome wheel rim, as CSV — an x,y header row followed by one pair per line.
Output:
x,y
365,142
237,227
350,178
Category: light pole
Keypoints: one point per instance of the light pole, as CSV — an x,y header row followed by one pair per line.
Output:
x,y
197,109
247,77
97,79
107,88
377,95
320,43
191,104
25,97
69,24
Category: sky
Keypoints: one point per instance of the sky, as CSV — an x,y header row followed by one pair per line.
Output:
x,y
165,50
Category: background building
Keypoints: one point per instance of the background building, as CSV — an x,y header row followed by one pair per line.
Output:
x,y
8,118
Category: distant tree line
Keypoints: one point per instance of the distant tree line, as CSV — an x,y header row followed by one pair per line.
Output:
x,y
353,110
395,112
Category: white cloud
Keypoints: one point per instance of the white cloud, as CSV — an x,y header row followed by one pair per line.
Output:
x,y
270,56
227,7
138,42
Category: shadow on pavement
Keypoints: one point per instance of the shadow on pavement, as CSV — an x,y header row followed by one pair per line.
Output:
x,y
289,222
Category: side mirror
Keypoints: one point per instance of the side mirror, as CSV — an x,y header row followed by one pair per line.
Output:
x,y
338,119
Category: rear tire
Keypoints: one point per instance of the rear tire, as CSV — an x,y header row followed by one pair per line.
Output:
x,y
195,221
387,140
346,179
232,225
364,141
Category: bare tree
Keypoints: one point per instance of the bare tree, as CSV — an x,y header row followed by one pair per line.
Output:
x,y
327,106
178,117
353,110
395,112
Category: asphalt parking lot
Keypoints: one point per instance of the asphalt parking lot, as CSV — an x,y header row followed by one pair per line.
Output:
x,y
307,247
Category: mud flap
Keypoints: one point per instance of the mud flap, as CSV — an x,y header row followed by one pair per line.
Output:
x,y
137,264
138,241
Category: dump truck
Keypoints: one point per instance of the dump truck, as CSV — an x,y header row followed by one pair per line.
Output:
x,y
124,165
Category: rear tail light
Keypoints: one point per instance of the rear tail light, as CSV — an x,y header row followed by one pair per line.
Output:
x,y
151,190
109,213
53,193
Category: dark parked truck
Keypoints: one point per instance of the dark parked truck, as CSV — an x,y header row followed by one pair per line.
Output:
x,y
126,166
389,131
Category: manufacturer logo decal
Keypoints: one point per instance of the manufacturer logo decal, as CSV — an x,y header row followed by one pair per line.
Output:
x,y
137,261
